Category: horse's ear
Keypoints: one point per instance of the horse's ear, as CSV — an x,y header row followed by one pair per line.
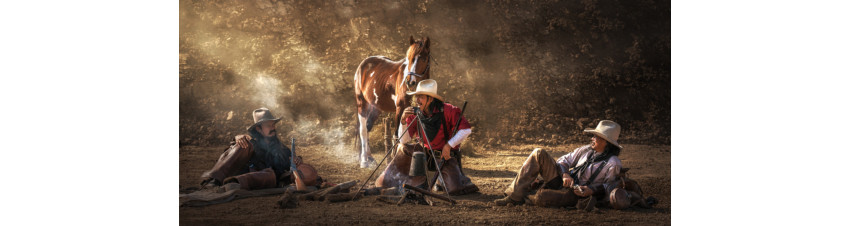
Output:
x,y
412,40
427,43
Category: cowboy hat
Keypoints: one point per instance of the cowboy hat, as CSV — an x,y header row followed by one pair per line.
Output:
x,y
427,87
262,115
608,130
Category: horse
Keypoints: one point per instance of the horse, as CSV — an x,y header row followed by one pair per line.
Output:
x,y
380,85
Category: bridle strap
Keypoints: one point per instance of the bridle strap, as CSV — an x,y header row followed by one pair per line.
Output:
x,y
413,73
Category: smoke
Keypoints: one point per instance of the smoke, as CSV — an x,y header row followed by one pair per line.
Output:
x,y
268,91
330,136
532,64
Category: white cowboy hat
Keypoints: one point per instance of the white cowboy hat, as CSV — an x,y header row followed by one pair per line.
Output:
x,y
608,130
427,87
262,115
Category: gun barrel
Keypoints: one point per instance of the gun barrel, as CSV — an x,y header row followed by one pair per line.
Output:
x,y
292,157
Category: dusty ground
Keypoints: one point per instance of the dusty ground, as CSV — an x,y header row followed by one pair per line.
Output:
x,y
491,170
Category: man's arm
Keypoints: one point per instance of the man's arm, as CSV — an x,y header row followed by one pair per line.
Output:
x,y
566,162
459,137
606,185
405,137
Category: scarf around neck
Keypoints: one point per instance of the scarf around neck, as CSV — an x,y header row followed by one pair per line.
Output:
x,y
432,124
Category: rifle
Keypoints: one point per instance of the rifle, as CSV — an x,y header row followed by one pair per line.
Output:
x,y
299,184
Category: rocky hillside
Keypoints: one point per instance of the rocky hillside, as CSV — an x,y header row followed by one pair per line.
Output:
x,y
533,72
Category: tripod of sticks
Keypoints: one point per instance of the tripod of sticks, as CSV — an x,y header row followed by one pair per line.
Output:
x,y
407,189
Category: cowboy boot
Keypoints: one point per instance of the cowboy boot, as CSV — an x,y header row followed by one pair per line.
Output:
x,y
554,198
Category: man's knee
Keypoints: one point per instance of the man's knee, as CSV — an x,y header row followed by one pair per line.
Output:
x,y
539,152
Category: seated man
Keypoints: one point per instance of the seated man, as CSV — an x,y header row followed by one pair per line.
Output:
x,y
259,160
593,169
438,120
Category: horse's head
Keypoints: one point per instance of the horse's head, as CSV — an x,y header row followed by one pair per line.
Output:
x,y
417,62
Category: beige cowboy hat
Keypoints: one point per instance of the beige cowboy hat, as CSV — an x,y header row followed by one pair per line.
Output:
x,y
262,115
427,87
608,130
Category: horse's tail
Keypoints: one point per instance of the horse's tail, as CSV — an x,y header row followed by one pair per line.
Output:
x,y
358,103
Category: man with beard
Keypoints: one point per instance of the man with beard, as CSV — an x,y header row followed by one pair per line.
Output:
x,y
438,119
259,160
589,171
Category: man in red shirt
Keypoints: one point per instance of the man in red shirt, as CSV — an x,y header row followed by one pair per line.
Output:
x,y
438,120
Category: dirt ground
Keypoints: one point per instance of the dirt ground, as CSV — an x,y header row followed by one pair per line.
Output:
x,y
492,170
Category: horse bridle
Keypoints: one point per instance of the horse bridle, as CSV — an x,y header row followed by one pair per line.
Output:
x,y
413,73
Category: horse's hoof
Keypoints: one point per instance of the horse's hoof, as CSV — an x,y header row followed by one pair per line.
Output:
x,y
368,163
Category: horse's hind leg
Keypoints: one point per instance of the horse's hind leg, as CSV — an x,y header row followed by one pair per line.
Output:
x,y
365,119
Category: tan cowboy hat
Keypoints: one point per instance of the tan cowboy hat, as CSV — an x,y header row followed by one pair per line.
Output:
x,y
427,87
608,130
262,115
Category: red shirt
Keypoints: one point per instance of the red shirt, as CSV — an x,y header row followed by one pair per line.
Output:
x,y
450,114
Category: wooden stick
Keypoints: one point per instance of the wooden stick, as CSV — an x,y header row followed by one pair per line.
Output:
x,y
319,195
403,198
340,197
388,199
428,193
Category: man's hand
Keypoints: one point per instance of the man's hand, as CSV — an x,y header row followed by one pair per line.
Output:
x,y
298,161
244,141
568,181
583,191
446,152
407,112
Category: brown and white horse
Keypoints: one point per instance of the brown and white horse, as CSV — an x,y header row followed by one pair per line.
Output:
x,y
380,85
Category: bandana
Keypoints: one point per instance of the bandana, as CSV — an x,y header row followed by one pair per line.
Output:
x,y
432,124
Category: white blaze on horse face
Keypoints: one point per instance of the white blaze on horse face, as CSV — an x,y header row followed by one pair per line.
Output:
x,y
371,74
413,67
375,91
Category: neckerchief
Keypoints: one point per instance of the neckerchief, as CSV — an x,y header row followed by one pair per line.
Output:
x,y
432,124
589,160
